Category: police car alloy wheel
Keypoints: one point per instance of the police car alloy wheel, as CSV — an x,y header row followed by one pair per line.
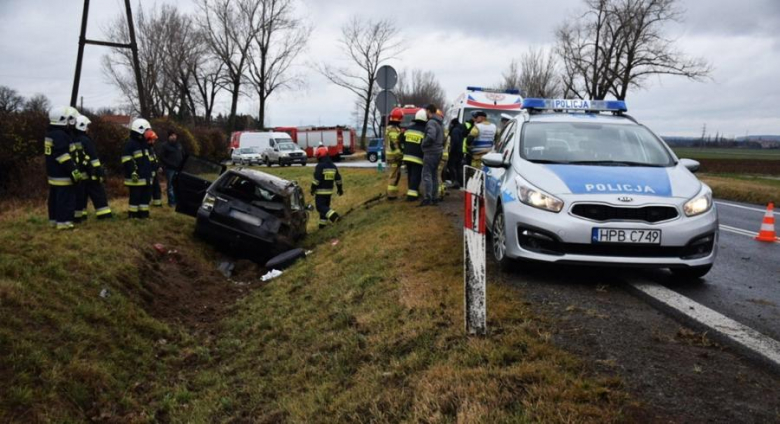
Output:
x,y
498,238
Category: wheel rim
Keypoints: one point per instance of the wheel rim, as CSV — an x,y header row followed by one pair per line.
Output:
x,y
499,238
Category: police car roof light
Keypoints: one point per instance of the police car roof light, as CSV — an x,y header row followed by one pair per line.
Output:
x,y
494,90
617,106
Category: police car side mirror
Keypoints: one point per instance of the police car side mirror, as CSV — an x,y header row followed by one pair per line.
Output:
x,y
494,160
691,164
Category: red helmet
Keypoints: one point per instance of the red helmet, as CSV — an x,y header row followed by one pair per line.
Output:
x,y
321,152
150,135
397,115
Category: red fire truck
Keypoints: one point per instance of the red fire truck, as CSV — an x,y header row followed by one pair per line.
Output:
x,y
340,141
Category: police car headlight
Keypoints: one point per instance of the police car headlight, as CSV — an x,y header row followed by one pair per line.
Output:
x,y
208,202
532,196
699,204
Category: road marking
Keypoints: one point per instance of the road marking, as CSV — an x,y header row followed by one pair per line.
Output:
x,y
744,207
744,336
740,231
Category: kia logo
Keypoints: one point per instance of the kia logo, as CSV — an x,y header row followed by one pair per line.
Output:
x,y
626,199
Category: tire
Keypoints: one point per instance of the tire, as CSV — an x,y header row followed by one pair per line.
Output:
x,y
372,157
691,273
498,242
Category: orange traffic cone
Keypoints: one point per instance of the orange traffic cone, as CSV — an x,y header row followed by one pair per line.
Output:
x,y
767,232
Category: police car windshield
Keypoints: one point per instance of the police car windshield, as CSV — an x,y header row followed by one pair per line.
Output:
x,y
592,144
494,116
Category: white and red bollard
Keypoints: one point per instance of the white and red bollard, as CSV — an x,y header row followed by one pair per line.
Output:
x,y
474,252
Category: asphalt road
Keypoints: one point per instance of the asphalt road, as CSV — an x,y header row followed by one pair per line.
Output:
x,y
744,284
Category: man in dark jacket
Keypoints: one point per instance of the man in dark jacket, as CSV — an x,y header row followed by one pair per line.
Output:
x,y
455,161
432,147
171,157
326,178
138,170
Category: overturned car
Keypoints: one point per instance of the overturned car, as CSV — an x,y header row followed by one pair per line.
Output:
x,y
249,212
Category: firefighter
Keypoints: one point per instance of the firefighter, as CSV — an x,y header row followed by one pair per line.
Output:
x,y
394,145
61,170
455,163
82,163
138,170
92,188
443,167
413,154
326,176
151,140
480,138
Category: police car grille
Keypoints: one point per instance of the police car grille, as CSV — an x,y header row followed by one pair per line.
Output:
x,y
609,213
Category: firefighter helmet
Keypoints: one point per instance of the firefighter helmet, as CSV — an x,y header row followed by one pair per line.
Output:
x,y
396,115
63,115
82,123
150,135
140,126
421,116
321,152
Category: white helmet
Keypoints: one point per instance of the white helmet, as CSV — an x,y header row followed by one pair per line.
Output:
x,y
140,126
421,115
63,116
82,123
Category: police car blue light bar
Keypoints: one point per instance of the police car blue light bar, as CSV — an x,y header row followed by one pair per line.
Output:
x,y
576,104
494,90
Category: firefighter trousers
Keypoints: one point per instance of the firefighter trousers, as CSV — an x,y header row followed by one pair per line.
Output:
x,y
95,191
62,205
394,179
455,166
414,174
156,191
139,199
327,215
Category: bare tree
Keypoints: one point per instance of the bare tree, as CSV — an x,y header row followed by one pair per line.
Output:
x,y
420,88
231,27
535,74
368,44
162,35
10,100
282,37
208,76
38,103
616,44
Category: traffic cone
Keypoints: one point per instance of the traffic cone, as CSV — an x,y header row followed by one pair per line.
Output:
x,y
767,232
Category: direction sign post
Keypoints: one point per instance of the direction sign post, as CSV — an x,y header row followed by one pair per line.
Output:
x,y
386,79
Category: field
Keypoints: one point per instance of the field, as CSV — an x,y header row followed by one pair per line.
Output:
x,y
99,326
706,153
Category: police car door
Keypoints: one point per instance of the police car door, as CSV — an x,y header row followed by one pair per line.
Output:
x,y
494,177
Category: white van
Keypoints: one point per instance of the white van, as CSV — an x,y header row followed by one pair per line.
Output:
x,y
275,147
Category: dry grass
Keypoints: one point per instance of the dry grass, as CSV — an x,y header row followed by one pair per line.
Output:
x,y
747,189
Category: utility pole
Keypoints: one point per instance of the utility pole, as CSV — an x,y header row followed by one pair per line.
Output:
x,y
132,46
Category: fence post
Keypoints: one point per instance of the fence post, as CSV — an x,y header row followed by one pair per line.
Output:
x,y
474,253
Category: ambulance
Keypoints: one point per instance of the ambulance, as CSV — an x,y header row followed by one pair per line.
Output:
x,y
493,102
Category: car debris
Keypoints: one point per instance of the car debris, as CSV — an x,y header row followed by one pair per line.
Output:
x,y
247,211
286,259
104,294
226,268
271,275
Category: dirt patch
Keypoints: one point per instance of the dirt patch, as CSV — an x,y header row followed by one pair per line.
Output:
x,y
185,292
674,373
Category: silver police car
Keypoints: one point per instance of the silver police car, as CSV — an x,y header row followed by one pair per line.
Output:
x,y
579,181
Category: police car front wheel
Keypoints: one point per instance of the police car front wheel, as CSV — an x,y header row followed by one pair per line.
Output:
x,y
498,241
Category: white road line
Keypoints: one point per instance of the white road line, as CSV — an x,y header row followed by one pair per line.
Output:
x,y
740,231
748,338
744,207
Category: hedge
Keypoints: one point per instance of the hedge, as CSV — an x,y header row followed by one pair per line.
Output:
x,y
22,171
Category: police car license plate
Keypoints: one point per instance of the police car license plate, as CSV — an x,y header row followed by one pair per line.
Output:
x,y
627,236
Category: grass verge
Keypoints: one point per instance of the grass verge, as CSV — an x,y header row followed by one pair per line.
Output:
x,y
366,329
744,188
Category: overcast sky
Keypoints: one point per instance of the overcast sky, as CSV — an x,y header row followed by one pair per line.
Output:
x,y
462,42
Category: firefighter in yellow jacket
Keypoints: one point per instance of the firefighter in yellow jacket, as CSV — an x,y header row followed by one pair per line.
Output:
x,y
395,155
413,154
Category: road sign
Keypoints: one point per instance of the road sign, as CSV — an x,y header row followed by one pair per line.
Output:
x,y
385,101
474,253
386,77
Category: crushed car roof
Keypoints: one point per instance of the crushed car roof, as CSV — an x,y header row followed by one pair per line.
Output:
x,y
271,182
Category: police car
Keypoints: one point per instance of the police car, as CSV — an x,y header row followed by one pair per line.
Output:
x,y
579,181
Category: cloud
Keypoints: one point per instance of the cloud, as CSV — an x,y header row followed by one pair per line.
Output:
x,y
462,42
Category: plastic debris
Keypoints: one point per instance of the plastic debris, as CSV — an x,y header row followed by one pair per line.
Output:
x,y
271,274
160,248
334,242
226,268
104,294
